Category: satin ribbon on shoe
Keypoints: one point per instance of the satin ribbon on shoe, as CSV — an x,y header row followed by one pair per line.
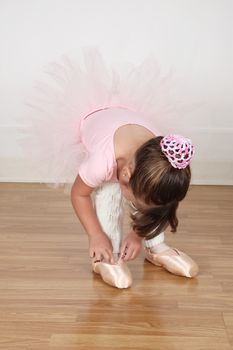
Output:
x,y
117,275
174,261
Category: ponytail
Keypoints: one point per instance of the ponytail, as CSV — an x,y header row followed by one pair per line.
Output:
x,y
149,223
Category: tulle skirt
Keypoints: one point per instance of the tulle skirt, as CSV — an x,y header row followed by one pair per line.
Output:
x,y
74,88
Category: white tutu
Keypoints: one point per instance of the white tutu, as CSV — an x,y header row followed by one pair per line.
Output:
x,y
75,88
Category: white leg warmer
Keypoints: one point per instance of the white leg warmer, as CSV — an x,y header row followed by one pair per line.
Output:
x,y
154,241
108,206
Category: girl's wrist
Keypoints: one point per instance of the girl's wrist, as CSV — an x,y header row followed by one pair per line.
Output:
x,y
95,234
136,235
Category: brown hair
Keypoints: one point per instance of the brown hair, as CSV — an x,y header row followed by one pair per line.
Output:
x,y
157,182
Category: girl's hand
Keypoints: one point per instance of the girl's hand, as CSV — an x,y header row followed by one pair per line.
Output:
x,y
100,248
131,246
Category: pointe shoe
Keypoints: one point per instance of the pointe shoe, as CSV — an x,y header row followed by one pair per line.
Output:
x,y
174,261
117,275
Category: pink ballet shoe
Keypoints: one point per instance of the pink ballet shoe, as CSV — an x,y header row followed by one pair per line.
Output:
x,y
173,261
117,275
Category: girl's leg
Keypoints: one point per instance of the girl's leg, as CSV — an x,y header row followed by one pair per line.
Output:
x,y
173,260
108,206
156,244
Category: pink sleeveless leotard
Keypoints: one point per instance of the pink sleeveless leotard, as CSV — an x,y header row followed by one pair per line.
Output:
x,y
97,135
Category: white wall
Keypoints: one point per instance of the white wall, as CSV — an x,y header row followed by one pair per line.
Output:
x,y
193,37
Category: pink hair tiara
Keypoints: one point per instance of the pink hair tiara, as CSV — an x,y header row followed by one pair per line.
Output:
x,y
178,150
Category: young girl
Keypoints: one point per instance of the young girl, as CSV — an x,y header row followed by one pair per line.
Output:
x,y
103,142
125,156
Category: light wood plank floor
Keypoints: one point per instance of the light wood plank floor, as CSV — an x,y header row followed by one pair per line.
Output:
x,y
50,299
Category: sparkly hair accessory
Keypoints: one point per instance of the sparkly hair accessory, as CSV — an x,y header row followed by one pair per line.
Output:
x,y
178,150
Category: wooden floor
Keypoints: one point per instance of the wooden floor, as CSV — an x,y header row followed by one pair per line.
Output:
x,y
50,299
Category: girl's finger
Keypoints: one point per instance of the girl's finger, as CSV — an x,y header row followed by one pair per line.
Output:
x,y
135,252
92,253
123,250
98,256
111,257
107,255
128,254
133,256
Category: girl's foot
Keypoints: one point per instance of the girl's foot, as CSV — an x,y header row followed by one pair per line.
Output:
x,y
117,275
174,261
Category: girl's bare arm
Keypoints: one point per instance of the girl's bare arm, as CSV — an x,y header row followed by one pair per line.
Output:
x,y
82,204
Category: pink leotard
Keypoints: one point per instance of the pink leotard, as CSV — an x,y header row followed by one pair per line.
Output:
x,y
97,132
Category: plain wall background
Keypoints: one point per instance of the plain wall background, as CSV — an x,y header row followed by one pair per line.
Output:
x,y
193,37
